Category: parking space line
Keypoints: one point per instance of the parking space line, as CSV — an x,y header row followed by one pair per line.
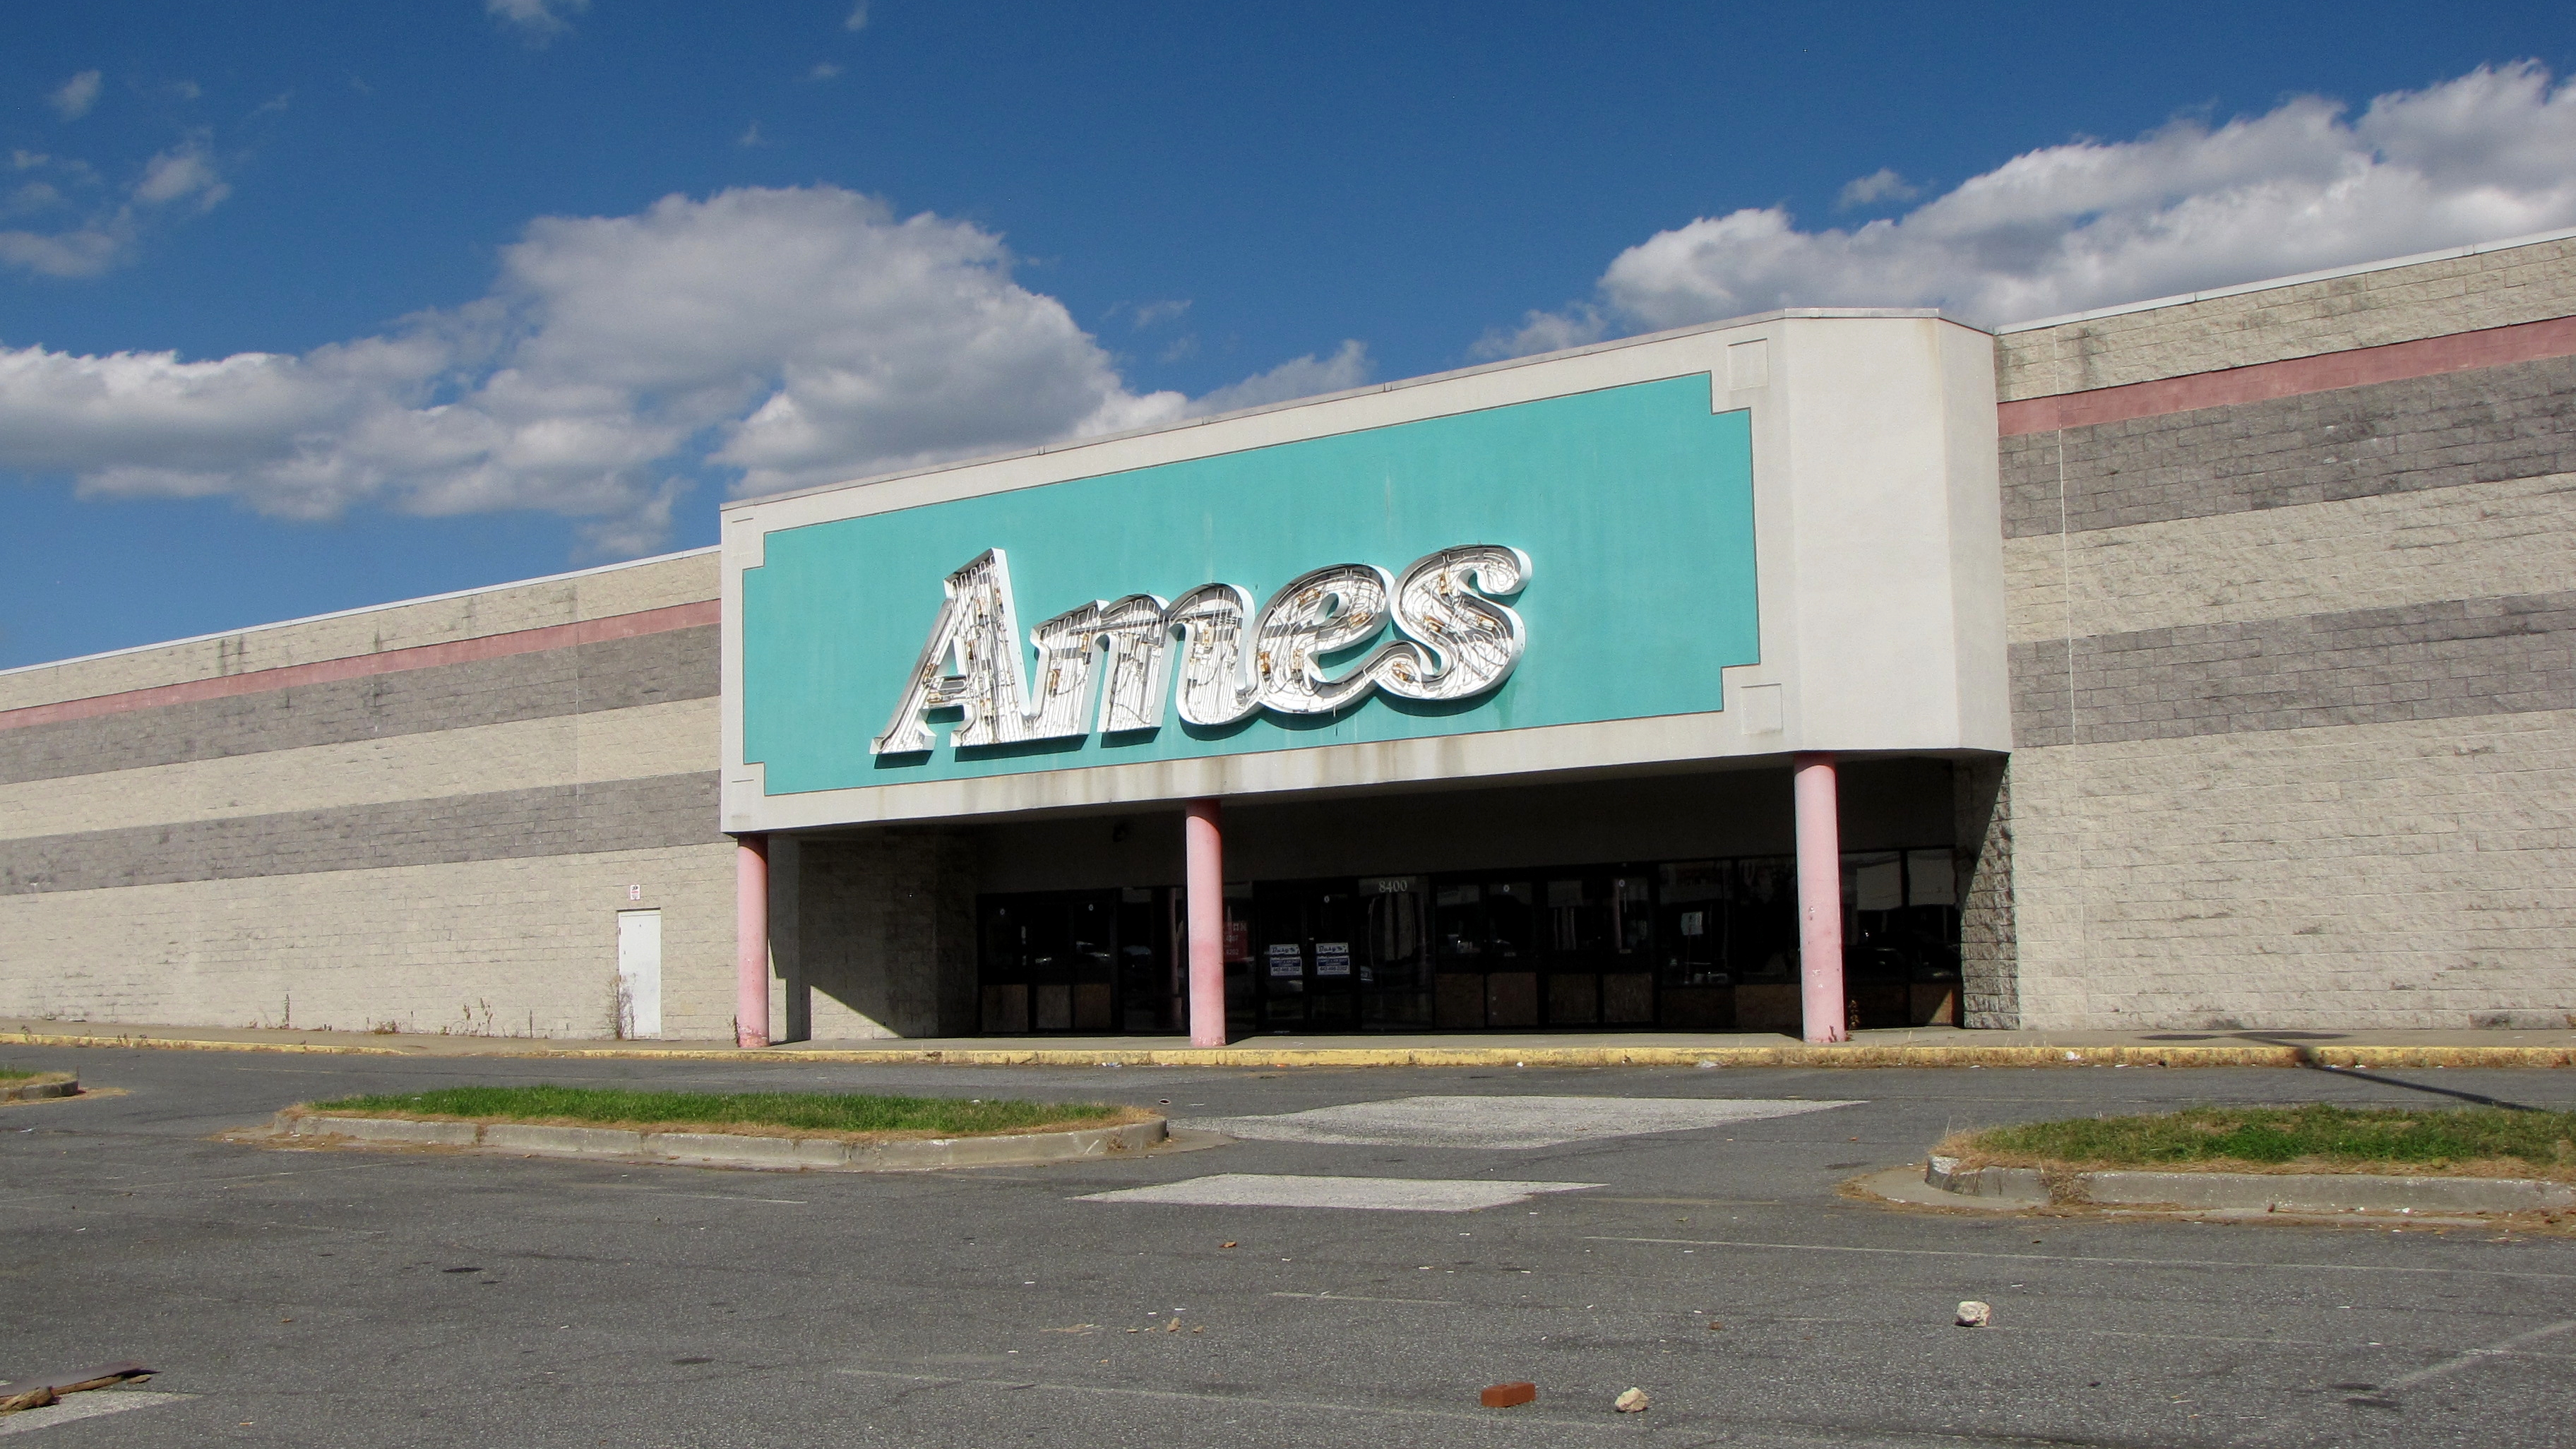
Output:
x,y
86,1406
2085,1262
1361,1298
2465,1359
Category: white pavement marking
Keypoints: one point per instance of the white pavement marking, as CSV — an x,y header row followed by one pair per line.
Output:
x,y
2087,1262
1362,1298
85,1406
1387,1194
1502,1122
2460,1361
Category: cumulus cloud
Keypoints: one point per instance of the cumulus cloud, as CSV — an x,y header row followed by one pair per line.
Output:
x,y
538,20
2188,206
72,99
773,338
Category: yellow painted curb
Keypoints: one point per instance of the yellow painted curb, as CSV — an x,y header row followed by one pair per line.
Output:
x,y
2244,1054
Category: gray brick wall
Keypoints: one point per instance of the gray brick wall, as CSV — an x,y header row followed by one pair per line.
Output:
x,y
2294,681
2368,666
442,848
2483,426
510,608
586,678
513,947
575,819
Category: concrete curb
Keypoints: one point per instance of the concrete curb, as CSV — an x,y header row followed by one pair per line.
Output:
x,y
42,1086
2018,1184
2264,1192
2242,1054
731,1149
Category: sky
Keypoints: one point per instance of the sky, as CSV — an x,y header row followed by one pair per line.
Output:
x,y
306,307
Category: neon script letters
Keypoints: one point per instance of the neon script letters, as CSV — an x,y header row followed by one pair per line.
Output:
x,y
1458,643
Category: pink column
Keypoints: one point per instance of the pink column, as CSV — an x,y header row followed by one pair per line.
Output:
x,y
1820,898
1203,851
751,941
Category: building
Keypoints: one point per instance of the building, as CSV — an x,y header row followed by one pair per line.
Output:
x,y
2202,663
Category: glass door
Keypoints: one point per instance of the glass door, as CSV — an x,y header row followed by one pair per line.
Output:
x,y
1395,960
1050,962
1150,985
1307,954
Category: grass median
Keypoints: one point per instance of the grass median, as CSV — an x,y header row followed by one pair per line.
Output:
x,y
2450,1142
13,1074
848,1117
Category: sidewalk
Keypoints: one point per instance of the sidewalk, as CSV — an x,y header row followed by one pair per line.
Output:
x,y
1909,1047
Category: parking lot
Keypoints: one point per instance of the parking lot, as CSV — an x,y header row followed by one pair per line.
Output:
x,y
1351,1269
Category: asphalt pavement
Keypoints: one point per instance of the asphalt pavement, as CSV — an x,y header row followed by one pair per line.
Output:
x,y
1351,1269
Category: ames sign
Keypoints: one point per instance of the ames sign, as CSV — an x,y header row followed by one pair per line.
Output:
x,y
1458,641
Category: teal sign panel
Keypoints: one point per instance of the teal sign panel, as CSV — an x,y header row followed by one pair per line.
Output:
x,y
1634,504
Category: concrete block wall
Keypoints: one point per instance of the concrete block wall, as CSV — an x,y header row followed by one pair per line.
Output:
x,y
884,925
2291,627
2499,287
424,816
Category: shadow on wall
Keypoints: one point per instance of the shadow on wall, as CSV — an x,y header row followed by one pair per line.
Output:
x,y
883,935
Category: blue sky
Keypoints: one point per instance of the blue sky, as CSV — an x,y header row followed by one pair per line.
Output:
x,y
305,307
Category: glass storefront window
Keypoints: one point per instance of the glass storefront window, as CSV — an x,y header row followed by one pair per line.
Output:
x,y
1081,961
1681,944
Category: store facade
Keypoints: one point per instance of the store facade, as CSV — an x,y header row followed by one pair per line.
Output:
x,y
2200,665
1473,702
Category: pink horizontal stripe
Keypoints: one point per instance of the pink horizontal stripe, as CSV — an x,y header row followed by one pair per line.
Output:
x,y
359,666
2394,362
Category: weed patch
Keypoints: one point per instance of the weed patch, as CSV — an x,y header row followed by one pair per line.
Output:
x,y
2468,1141
764,1113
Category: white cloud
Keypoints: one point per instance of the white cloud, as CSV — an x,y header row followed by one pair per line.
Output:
x,y
1307,376
2305,186
823,70
1882,184
183,178
34,196
858,18
1154,314
782,337
82,252
72,99
183,173
539,20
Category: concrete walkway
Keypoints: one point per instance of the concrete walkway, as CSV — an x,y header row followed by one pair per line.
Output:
x,y
1917,1046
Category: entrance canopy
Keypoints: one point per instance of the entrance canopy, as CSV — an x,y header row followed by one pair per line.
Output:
x,y
1767,536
